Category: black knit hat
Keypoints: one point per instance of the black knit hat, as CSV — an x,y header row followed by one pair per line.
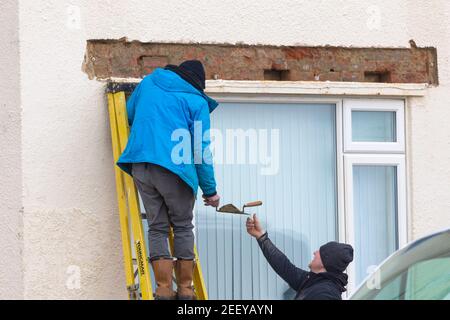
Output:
x,y
336,256
192,71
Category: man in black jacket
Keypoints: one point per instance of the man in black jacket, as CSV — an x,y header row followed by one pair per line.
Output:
x,y
326,279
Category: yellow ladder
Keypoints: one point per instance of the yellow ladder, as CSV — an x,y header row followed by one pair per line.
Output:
x,y
129,209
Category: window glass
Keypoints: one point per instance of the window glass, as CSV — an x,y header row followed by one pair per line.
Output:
x,y
375,215
373,126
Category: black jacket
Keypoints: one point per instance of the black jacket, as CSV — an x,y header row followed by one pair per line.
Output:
x,y
309,285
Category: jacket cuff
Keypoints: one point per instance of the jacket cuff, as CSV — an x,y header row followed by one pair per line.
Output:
x,y
263,237
210,195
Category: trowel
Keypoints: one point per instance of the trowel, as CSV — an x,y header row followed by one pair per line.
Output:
x,y
230,208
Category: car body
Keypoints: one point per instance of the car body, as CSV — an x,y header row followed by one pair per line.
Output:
x,y
419,271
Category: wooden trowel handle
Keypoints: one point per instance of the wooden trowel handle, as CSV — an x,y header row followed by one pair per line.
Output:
x,y
253,204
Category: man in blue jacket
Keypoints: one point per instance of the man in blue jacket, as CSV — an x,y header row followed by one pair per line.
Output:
x,y
167,106
326,279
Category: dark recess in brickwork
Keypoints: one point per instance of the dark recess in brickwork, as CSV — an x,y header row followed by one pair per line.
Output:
x,y
121,58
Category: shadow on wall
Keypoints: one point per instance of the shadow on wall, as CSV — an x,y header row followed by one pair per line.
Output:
x,y
227,251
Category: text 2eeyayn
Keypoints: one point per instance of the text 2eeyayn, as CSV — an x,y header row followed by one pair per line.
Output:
x,y
225,309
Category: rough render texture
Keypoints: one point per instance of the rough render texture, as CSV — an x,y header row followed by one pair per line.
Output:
x,y
70,213
11,230
121,58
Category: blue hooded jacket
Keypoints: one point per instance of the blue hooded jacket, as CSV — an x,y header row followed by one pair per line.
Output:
x,y
162,103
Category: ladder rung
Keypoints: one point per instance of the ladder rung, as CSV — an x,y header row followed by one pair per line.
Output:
x,y
129,212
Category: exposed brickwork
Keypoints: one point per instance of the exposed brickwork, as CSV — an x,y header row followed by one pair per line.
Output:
x,y
120,58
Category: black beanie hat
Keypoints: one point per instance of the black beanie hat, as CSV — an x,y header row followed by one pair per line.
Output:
x,y
336,256
192,71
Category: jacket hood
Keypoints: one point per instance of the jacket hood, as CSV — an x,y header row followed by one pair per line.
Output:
x,y
170,81
340,279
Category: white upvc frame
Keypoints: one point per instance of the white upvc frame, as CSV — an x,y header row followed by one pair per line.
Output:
x,y
392,105
402,220
344,163
299,99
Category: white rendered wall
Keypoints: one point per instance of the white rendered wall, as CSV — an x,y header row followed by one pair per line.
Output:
x,y
70,212
11,229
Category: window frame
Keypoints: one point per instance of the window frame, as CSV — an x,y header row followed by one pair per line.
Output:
x,y
253,92
374,105
397,160
298,99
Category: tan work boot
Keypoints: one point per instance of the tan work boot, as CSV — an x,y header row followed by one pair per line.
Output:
x,y
184,272
163,270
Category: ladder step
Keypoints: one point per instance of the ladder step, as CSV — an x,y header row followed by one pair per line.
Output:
x,y
129,210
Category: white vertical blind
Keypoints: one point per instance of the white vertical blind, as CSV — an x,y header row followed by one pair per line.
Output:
x,y
375,214
299,209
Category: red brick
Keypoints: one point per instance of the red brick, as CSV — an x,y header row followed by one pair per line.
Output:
x,y
119,58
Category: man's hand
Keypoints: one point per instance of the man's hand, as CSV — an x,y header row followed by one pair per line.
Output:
x,y
254,227
212,201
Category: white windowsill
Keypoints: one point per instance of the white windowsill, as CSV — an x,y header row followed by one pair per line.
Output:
x,y
317,87
307,87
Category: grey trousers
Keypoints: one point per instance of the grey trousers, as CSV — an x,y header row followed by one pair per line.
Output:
x,y
168,201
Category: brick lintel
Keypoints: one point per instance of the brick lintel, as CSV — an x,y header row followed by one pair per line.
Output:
x,y
134,59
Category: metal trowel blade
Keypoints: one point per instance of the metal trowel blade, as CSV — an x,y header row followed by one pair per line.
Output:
x,y
230,208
